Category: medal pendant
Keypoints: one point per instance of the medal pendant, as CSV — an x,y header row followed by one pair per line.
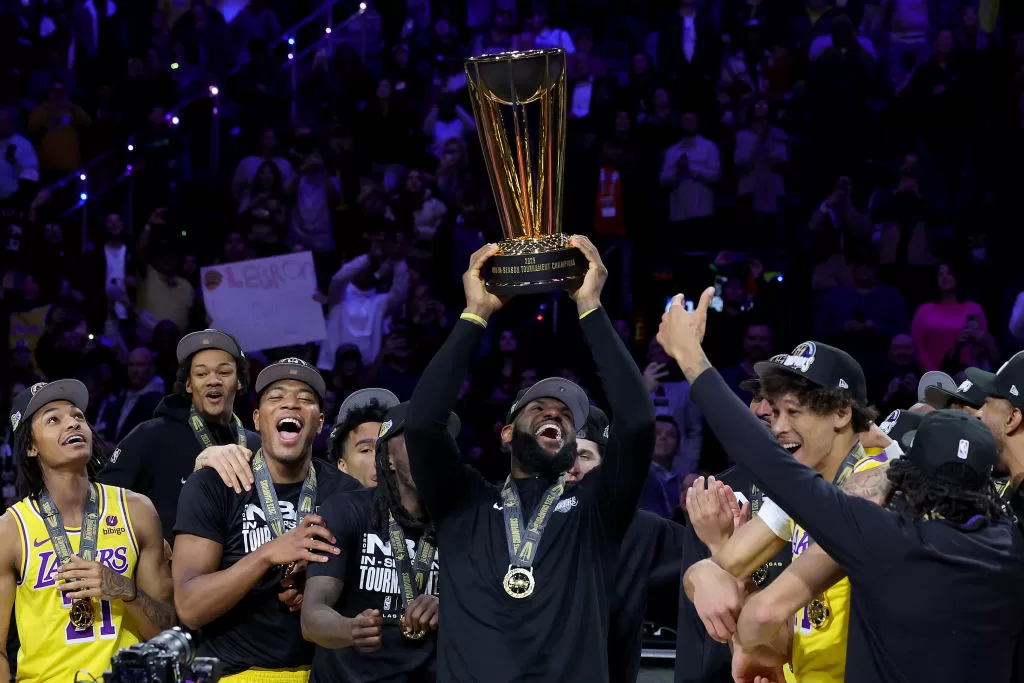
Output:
x,y
409,633
82,614
819,613
760,575
519,582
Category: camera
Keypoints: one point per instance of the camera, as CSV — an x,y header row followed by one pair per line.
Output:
x,y
168,657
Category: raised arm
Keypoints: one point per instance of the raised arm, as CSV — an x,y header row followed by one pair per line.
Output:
x,y
627,459
839,522
434,457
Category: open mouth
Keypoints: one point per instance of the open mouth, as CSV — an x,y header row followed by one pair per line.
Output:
x,y
74,440
791,448
214,396
550,432
289,429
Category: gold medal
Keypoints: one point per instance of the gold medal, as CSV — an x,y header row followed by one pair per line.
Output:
x,y
519,582
819,613
760,575
409,633
82,614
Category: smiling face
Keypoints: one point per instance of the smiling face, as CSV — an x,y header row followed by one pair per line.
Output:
x,y
212,382
666,439
288,419
357,458
60,436
548,421
809,437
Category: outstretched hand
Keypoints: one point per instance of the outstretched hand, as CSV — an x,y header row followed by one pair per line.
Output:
x,y
479,301
682,332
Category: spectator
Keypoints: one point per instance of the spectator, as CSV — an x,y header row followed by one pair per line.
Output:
x,y
445,121
760,151
691,167
758,344
19,166
661,491
58,122
108,276
264,209
939,325
315,194
122,412
671,395
162,291
248,168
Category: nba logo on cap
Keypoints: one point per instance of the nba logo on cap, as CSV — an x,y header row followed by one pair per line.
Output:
x,y
961,451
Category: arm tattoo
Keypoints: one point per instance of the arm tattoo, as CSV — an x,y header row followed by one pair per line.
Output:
x,y
116,585
873,484
692,372
160,614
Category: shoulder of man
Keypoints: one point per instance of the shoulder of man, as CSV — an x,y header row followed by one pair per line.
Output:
x,y
253,440
346,508
331,480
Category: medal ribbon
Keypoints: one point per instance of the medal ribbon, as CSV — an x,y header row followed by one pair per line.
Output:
x,y
59,536
268,496
523,540
413,574
202,433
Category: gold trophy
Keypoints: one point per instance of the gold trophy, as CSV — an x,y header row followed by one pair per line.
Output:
x,y
519,102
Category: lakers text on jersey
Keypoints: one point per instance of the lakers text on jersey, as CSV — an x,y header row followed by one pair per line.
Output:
x,y
51,648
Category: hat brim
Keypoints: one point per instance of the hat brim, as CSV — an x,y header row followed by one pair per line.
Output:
x,y
985,381
279,372
363,398
765,366
205,340
751,385
70,390
558,389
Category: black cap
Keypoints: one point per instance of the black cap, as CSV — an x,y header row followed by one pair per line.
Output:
x,y
1007,382
753,385
394,423
559,389
820,364
291,368
29,401
358,400
968,394
948,436
899,422
208,339
596,427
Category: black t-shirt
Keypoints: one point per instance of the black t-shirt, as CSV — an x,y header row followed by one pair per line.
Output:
x,y
650,557
371,580
930,600
259,631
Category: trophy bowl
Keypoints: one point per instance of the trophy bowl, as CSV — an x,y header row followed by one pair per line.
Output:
x,y
519,103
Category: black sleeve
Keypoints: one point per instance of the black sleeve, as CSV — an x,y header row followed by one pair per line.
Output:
x,y
203,506
667,558
627,458
331,480
849,529
128,467
340,516
434,456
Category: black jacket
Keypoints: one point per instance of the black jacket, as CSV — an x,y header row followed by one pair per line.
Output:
x,y
156,458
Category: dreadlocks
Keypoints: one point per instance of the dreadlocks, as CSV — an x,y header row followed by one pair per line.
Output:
x,y
387,499
957,494
29,475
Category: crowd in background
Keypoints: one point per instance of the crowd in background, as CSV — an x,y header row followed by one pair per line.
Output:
x,y
845,171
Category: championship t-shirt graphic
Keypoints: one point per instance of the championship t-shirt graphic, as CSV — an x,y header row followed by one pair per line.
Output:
x,y
378,574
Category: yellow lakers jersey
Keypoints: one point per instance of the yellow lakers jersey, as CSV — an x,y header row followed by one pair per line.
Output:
x,y
820,629
51,648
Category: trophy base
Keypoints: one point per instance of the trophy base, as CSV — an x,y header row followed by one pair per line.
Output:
x,y
535,266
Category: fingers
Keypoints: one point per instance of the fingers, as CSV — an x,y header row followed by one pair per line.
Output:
x,y
728,498
705,301
315,547
288,597
323,532
81,594
677,300
480,256
587,247
366,630
744,514
312,520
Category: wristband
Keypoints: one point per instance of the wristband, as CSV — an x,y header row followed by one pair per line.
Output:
x,y
585,314
474,318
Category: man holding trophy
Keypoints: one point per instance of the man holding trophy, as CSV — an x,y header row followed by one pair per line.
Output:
x,y
528,567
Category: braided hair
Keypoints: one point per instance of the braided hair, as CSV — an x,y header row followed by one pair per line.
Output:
x,y
388,501
29,474
957,494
